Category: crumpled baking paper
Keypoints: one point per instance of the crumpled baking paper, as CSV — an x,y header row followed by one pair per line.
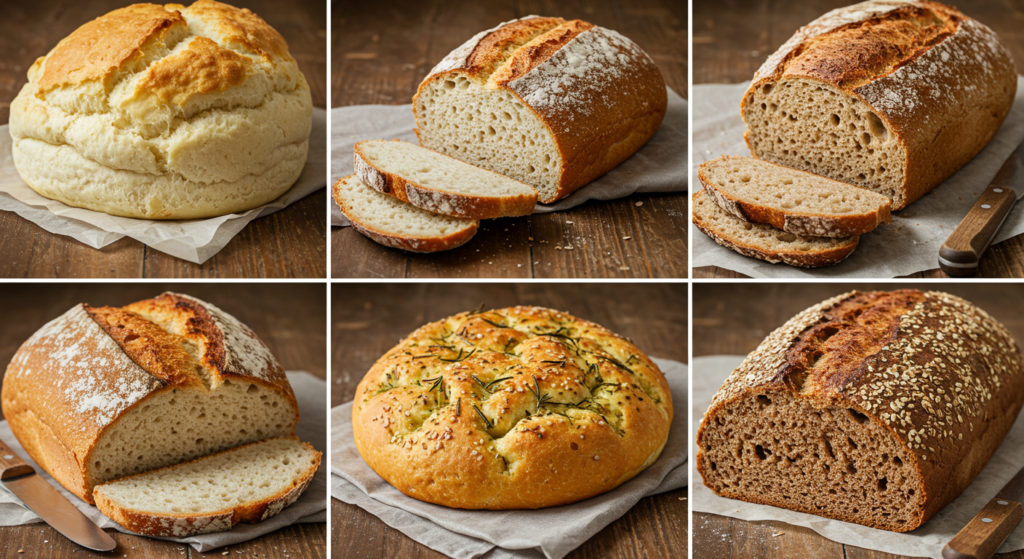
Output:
x,y
659,166
311,506
194,240
908,245
469,534
927,541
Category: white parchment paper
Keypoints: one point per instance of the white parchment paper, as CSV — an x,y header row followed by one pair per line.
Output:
x,y
908,245
467,534
659,166
311,506
708,375
195,240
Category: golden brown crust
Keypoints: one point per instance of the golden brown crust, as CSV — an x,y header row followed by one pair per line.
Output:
x,y
521,407
203,67
239,26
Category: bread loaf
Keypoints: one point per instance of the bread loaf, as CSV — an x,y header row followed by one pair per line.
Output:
x,y
100,393
164,112
522,407
552,103
874,408
894,96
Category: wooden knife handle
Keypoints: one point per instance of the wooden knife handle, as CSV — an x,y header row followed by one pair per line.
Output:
x,y
986,532
960,254
11,465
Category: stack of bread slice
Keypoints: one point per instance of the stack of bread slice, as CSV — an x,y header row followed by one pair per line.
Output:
x,y
777,214
412,198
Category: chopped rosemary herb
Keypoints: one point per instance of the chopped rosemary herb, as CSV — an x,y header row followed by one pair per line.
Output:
x,y
422,356
495,381
508,343
458,407
599,385
478,381
478,309
487,422
436,382
495,324
617,363
541,398
559,363
462,355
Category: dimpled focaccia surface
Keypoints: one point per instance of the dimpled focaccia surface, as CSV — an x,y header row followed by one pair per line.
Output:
x,y
164,112
522,407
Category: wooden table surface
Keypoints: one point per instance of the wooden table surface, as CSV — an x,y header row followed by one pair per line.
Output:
x,y
290,319
732,319
381,52
731,38
368,320
288,243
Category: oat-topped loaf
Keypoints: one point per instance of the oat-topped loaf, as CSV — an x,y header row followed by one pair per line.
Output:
x,y
522,407
100,393
164,112
890,95
876,408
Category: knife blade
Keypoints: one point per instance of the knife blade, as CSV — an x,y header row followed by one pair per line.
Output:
x,y
41,498
989,529
961,253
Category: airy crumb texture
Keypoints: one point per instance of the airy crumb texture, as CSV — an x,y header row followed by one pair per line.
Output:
x,y
791,200
515,408
439,183
394,223
876,408
164,112
765,242
246,484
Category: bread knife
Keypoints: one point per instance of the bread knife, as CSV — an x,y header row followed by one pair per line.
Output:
x,y
989,529
961,253
41,498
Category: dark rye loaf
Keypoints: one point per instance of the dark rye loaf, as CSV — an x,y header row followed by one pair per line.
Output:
x,y
875,408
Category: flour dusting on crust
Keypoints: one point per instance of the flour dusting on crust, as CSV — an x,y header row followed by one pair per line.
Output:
x,y
245,354
457,58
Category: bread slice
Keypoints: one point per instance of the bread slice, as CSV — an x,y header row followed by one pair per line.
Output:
x,y
765,242
394,223
439,183
249,483
794,201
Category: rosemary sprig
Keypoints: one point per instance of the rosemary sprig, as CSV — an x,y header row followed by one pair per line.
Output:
x,y
599,385
415,357
458,407
617,363
495,381
559,363
478,309
541,398
478,381
487,422
462,356
436,382
495,324
563,337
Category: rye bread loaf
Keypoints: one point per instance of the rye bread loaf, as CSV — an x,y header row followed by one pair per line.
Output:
x,y
552,103
793,201
514,408
874,408
894,96
100,393
765,242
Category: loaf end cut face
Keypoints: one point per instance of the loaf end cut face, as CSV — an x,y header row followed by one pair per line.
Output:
x,y
890,96
873,408
552,103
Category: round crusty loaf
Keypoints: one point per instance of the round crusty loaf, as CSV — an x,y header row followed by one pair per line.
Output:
x,y
164,112
522,407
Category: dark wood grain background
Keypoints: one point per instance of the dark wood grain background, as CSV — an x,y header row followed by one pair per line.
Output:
x,y
289,318
288,243
381,52
732,319
368,320
731,38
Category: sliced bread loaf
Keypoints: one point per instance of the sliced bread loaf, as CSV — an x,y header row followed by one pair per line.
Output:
x,y
439,183
394,223
794,201
249,483
765,242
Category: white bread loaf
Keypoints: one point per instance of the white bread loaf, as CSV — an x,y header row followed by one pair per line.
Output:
x,y
164,112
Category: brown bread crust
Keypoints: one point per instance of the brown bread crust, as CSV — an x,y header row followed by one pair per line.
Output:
x,y
939,374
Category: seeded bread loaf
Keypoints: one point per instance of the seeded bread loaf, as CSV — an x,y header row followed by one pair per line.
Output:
x,y
891,95
874,408
552,103
100,393
793,201
515,408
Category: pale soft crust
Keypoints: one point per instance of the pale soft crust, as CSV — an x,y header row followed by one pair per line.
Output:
x,y
571,134
164,112
515,408
72,385
888,95
919,387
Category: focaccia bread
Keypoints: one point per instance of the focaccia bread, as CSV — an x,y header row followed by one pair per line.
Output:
x,y
875,408
101,393
551,103
164,112
890,95
522,407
